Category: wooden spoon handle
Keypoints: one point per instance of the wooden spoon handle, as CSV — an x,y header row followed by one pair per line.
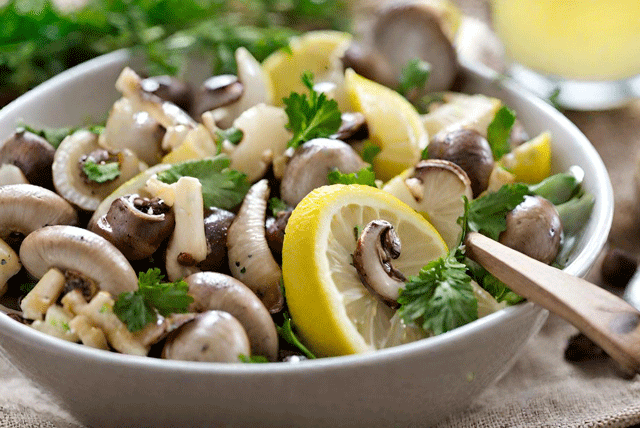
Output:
x,y
606,319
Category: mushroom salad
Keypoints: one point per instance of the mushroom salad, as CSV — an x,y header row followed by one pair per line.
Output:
x,y
164,232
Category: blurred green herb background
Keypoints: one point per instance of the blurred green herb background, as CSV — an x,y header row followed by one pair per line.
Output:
x,y
39,40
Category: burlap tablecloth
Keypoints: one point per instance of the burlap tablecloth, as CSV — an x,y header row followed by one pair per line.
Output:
x,y
542,389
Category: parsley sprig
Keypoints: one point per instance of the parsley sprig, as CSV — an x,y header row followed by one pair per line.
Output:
x,y
487,214
364,176
313,116
499,130
221,187
101,172
152,298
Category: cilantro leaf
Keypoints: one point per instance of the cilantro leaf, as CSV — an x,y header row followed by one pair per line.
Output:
x,y
252,359
487,214
286,332
414,76
138,308
440,298
365,176
491,284
370,151
101,172
53,135
233,135
221,187
277,205
311,117
499,130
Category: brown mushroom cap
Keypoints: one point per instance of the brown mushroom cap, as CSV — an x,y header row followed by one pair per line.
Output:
x,y
32,154
216,291
310,164
73,248
213,336
470,151
169,88
534,228
25,208
216,227
216,92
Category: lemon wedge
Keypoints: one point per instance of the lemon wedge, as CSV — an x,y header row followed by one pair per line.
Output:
x,y
334,313
530,162
394,124
315,51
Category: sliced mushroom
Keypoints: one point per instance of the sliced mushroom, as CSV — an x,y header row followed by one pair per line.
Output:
x,y
275,227
25,208
217,91
128,128
534,228
32,154
255,89
470,151
353,127
310,165
377,246
213,336
187,245
155,332
435,187
135,225
250,259
170,88
71,181
73,248
215,291
216,228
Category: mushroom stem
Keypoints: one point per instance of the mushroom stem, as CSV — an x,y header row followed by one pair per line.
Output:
x,y
377,246
9,265
43,295
250,258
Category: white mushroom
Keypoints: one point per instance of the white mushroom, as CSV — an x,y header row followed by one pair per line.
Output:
x,y
264,138
73,184
9,265
250,259
377,246
11,174
32,154
216,291
128,128
214,336
72,248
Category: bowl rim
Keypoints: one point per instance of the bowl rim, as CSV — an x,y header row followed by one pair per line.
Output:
x,y
603,215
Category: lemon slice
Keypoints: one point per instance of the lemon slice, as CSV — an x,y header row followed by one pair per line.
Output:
x,y
315,51
461,110
197,144
394,124
530,162
334,313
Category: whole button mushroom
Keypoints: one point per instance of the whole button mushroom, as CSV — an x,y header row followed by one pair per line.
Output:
x,y
534,228
80,250
213,336
136,225
32,154
25,208
310,164
470,151
216,291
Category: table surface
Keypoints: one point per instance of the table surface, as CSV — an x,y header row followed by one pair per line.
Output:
x,y
542,389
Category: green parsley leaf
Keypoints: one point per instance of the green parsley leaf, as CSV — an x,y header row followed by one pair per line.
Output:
x,y
221,187
53,135
311,117
138,308
424,155
491,284
440,298
487,214
357,231
101,172
26,287
554,98
414,76
370,151
277,205
252,359
499,130
365,176
233,135
96,129
286,332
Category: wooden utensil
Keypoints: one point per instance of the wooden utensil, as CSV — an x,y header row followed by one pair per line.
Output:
x,y
606,319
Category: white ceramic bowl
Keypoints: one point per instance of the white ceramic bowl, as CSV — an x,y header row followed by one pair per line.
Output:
x,y
418,383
